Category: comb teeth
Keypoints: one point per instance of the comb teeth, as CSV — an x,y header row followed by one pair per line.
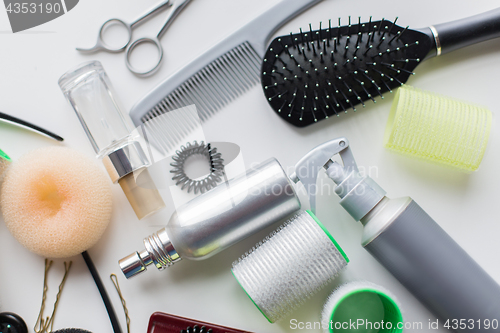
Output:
x,y
289,266
215,85
165,131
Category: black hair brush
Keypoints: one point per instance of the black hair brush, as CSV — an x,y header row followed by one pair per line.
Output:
x,y
315,74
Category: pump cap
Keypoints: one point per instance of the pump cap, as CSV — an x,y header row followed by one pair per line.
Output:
x,y
132,265
159,251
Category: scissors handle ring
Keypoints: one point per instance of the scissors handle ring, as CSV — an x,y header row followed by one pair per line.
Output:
x,y
107,47
143,73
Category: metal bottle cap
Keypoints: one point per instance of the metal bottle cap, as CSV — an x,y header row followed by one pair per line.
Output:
x,y
125,160
159,251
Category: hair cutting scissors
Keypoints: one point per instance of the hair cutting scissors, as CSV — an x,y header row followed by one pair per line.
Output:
x,y
101,45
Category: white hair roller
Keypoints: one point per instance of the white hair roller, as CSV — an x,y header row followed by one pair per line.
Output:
x,y
289,266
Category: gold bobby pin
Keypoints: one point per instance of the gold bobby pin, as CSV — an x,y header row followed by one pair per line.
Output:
x,y
114,279
45,325
40,320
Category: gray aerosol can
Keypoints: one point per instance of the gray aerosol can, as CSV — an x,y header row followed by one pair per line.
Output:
x,y
407,242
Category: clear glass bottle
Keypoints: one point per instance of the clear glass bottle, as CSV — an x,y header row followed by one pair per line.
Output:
x,y
89,91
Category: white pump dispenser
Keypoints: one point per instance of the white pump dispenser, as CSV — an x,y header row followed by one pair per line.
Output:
x,y
407,241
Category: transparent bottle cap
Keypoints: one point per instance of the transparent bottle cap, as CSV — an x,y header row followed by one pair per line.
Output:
x,y
89,91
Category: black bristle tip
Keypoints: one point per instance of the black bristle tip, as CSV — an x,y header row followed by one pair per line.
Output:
x,y
328,71
196,329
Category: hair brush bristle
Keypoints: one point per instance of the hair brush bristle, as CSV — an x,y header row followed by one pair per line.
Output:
x,y
312,75
197,329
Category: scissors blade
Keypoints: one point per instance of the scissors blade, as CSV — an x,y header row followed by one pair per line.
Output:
x,y
163,5
177,7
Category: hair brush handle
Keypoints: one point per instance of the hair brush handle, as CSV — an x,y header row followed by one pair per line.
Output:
x,y
454,35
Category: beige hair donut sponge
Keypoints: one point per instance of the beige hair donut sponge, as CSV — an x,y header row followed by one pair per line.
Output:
x,y
56,201
3,167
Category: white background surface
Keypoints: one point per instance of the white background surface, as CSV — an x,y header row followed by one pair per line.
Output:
x,y
31,63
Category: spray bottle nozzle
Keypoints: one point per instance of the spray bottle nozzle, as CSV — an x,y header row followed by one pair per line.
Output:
x,y
307,169
358,194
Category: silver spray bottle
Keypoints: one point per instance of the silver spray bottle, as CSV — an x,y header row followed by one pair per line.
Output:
x,y
408,242
218,219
